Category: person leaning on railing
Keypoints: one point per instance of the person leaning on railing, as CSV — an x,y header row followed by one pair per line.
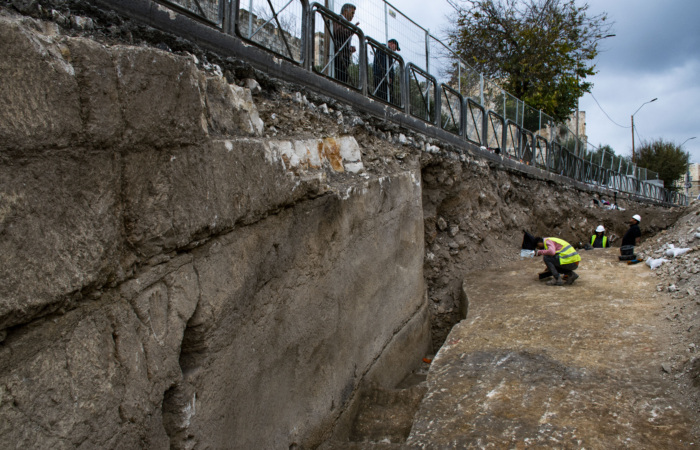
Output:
x,y
341,40
384,74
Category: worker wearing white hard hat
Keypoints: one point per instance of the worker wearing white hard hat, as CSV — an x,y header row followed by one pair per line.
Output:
x,y
599,239
633,236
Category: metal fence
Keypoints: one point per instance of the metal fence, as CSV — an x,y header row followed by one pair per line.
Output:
x,y
423,77
210,12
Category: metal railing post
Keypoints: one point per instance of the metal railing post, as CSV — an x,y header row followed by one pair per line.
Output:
x,y
481,89
505,111
427,51
386,24
459,77
250,18
364,82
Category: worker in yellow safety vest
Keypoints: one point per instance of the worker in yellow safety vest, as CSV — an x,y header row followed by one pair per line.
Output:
x,y
599,239
559,256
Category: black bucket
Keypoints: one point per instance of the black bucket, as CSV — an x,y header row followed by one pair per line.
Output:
x,y
626,250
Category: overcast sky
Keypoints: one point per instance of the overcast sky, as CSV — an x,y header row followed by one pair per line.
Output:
x,y
656,53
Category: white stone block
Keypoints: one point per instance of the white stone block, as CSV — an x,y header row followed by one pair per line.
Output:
x,y
349,149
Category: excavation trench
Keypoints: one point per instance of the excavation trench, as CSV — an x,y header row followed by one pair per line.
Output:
x,y
581,366
474,217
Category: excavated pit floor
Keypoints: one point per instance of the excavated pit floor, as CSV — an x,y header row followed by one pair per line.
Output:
x,y
535,366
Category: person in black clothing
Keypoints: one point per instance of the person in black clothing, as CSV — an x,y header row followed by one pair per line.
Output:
x,y
341,40
383,68
633,236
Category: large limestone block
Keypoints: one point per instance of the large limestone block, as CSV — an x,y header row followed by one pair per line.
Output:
x,y
178,196
99,94
60,229
64,385
339,154
231,110
39,100
295,309
161,95
96,377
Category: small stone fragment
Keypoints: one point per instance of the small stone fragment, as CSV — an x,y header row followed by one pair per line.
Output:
x,y
442,225
666,367
25,6
454,229
82,23
63,20
253,85
324,108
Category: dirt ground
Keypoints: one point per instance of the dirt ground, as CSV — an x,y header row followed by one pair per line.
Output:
x,y
579,366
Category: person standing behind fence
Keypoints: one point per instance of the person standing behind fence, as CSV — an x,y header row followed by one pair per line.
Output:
x,y
341,40
383,68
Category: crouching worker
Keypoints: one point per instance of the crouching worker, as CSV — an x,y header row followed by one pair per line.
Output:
x,y
559,256
599,239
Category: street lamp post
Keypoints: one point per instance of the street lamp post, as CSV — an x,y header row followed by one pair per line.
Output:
x,y
633,125
688,183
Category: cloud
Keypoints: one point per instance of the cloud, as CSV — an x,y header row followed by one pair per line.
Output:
x,y
651,36
656,53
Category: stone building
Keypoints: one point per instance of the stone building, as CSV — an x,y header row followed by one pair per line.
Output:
x,y
694,179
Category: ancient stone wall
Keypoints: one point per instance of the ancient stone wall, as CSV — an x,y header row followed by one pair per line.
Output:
x,y
171,277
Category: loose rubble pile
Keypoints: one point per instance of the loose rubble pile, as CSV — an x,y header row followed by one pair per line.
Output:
x,y
678,286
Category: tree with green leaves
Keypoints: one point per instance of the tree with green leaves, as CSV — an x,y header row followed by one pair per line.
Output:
x,y
664,157
541,50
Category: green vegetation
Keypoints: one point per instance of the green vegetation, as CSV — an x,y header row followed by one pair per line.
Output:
x,y
665,157
541,50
